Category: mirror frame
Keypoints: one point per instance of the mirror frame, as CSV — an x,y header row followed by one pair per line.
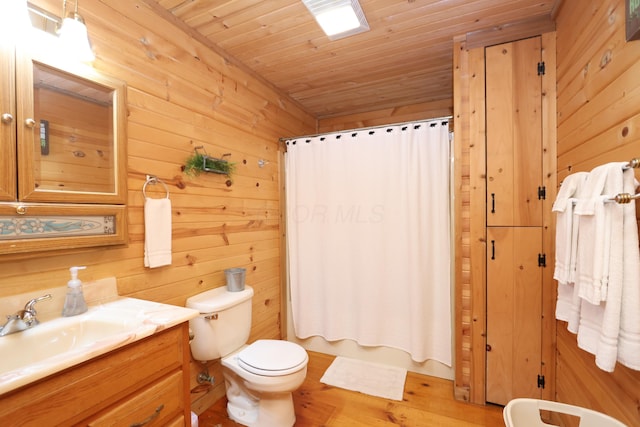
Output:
x,y
27,190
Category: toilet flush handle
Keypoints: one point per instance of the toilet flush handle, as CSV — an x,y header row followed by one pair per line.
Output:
x,y
211,316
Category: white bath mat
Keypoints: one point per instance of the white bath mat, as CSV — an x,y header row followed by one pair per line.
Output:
x,y
366,377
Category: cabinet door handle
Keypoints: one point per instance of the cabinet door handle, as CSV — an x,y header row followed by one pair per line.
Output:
x,y
7,118
30,122
493,202
493,249
150,418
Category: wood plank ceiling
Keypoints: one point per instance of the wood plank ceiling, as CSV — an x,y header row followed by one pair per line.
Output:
x,y
405,58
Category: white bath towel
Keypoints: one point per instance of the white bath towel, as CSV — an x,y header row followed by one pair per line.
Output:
x,y
629,338
157,232
600,311
594,231
607,312
585,223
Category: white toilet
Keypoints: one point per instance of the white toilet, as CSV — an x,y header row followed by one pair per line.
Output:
x,y
260,377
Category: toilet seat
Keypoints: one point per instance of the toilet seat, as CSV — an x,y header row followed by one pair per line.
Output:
x,y
272,358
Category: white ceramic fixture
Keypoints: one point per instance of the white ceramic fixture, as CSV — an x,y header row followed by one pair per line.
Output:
x,y
259,377
63,342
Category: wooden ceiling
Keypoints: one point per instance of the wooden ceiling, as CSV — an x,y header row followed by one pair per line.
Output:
x,y
405,58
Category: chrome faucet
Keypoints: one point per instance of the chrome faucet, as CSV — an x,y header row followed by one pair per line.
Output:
x,y
23,319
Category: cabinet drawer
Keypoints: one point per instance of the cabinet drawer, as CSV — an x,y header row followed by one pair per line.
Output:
x,y
178,422
79,392
156,405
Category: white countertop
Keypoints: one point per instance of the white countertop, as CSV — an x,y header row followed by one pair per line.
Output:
x,y
126,319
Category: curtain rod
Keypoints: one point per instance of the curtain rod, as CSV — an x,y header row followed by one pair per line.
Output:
x,y
368,128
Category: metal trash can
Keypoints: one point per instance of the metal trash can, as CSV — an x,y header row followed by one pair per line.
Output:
x,y
235,279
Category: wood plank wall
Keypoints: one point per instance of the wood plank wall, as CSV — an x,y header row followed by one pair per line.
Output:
x,y
598,122
407,113
470,223
182,94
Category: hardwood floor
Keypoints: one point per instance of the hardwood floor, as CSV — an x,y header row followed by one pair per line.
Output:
x,y
427,402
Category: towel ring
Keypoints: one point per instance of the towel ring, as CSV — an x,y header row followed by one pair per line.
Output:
x,y
154,180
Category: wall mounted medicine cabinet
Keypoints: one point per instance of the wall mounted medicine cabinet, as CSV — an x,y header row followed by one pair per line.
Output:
x,y
63,164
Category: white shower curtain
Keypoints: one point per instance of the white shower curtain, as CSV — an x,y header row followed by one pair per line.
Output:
x,y
369,237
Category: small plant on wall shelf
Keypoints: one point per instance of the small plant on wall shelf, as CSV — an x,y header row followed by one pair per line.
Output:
x,y
200,162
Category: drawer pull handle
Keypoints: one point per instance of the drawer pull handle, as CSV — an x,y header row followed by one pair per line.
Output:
x,y
150,418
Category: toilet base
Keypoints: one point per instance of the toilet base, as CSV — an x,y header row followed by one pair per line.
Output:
x,y
272,410
257,408
257,400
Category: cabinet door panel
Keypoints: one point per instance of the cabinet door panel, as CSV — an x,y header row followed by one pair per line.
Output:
x,y
7,122
514,133
514,313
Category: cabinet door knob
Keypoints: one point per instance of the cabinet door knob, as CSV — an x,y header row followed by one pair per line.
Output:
x,y
21,210
30,123
7,118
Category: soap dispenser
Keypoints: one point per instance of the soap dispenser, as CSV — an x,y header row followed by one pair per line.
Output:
x,y
74,303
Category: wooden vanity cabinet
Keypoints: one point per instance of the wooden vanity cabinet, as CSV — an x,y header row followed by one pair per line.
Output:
x,y
144,383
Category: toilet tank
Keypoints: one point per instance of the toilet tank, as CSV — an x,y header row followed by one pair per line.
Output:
x,y
224,323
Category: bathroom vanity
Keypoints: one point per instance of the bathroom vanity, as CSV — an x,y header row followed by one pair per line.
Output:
x,y
123,362
147,380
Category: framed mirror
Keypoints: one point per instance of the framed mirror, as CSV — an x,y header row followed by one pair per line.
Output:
x,y
63,178
71,134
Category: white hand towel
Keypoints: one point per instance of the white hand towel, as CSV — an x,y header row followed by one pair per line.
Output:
x,y
563,206
566,247
157,232
570,188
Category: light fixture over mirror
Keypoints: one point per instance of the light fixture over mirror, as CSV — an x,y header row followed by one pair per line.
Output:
x,y
14,19
73,34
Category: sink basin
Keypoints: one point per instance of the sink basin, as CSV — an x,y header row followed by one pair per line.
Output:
x,y
63,342
60,336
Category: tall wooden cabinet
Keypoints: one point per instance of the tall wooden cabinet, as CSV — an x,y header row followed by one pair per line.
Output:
x,y
515,193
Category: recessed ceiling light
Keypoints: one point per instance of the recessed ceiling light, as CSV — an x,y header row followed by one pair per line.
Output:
x,y
338,18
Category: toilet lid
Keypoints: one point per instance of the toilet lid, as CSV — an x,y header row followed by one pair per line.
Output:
x,y
272,358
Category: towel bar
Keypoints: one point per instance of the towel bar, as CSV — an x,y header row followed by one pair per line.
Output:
x,y
624,198
151,179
